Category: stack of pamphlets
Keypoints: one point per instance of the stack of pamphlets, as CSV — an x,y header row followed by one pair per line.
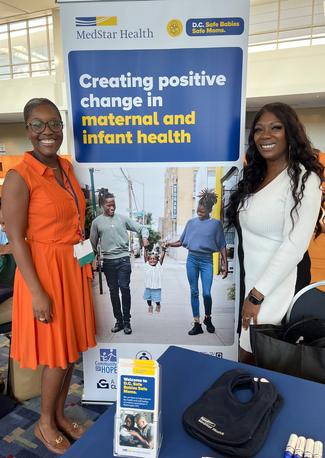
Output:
x,y
137,420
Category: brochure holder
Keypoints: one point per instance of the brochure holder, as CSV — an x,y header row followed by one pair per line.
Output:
x,y
137,424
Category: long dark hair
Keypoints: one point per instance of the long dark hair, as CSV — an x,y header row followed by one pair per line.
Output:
x,y
300,154
321,218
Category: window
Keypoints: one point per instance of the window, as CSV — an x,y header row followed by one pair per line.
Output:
x,y
26,48
279,24
194,183
212,179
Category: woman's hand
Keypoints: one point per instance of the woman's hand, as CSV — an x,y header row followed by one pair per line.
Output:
x,y
224,262
224,268
176,244
249,311
42,307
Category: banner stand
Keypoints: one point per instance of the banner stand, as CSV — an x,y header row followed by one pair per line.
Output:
x,y
156,97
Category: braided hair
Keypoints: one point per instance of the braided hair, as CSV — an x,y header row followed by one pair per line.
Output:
x,y
300,153
207,199
103,195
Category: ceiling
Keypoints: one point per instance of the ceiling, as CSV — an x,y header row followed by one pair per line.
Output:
x,y
14,9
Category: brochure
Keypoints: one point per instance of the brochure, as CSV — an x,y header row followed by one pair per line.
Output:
x,y
137,420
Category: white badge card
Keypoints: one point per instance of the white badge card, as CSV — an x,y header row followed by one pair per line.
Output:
x,y
137,427
84,252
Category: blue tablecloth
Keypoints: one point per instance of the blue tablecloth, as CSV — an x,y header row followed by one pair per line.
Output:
x,y
185,375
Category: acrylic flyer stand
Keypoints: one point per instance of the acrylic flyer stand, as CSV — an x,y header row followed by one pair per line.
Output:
x,y
137,431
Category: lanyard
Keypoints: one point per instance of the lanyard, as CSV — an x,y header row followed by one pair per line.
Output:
x,y
74,195
73,192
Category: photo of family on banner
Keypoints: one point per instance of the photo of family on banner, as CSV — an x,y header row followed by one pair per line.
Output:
x,y
141,263
156,292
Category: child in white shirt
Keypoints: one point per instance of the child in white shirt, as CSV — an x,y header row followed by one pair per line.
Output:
x,y
152,278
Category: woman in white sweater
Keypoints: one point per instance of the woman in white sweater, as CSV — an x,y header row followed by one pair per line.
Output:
x,y
274,210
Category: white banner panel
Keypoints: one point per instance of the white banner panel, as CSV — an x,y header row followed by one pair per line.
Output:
x,y
157,105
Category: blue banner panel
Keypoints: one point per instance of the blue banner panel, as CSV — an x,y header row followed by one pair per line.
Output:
x,y
176,105
137,392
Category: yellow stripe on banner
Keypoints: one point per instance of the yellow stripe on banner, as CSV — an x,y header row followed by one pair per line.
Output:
x,y
216,213
144,367
106,20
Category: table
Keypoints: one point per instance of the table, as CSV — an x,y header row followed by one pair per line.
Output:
x,y
185,375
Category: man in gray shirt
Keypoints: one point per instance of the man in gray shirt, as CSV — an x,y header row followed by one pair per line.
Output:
x,y
111,229
146,434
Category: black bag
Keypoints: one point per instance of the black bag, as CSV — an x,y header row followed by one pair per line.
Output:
x,y
294,348
7,270
224,423
6,405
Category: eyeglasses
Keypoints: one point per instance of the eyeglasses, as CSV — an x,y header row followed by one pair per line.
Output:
x,y
38,126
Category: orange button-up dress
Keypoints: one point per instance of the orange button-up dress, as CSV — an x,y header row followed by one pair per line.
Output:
x,y
52,230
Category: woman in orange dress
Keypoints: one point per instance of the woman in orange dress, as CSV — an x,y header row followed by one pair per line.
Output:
x,y
53,317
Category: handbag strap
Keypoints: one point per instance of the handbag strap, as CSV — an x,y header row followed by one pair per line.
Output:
x,y
300,293
308,328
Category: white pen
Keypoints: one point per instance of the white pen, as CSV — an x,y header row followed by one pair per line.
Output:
x,y
318,449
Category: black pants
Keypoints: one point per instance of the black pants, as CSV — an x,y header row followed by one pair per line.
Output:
x,y
118,273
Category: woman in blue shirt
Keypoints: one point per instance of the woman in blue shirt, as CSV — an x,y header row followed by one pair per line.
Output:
x,y
202,236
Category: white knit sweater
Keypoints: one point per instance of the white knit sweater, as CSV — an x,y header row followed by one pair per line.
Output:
x,y
273,247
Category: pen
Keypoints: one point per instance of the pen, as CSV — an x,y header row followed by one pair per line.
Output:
x,y
309,448
291,445
300,447
318,449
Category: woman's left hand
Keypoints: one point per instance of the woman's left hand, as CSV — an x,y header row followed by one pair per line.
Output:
x,y
224,262
249,312
224,270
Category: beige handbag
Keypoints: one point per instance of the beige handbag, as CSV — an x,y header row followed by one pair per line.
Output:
x,y
25,383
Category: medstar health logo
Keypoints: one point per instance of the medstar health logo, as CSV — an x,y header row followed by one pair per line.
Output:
x,y
96,21
174,27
